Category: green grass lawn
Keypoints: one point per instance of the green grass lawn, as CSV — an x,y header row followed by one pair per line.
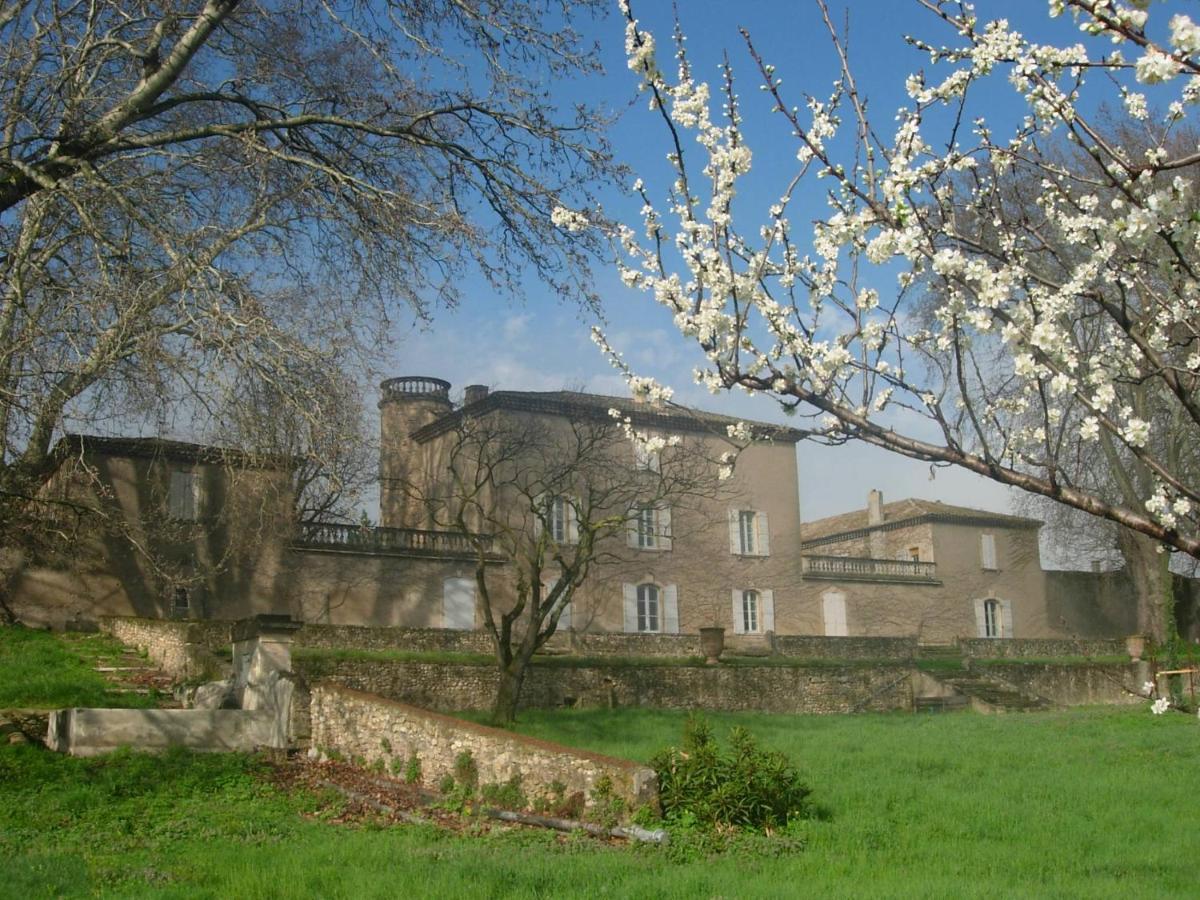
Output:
x,y
41,670
1086,803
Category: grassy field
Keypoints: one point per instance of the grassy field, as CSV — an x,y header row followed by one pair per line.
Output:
x,y
1086,803
40,670
1090,803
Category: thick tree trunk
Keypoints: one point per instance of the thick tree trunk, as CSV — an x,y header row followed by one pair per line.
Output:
x,y
1153,589
508,692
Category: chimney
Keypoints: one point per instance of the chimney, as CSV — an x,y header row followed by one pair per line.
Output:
x,y
473,393
875,508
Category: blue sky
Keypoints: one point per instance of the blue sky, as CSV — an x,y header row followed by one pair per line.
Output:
x,y
540,344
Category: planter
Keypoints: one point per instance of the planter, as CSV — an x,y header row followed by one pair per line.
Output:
x,y
1135,644
712,643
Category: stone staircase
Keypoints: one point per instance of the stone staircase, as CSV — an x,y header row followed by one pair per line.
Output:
x,y
988,695
133,673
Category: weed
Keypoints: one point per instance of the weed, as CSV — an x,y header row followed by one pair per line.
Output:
x,y
412,769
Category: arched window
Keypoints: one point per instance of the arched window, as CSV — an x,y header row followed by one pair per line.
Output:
x,y
648,618
991,618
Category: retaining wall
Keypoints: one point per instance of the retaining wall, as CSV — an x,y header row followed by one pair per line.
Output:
x,y
1039,648
374,729
777,689
182,648
1076,685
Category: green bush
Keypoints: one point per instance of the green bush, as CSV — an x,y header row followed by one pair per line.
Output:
x,y
412,769
505,794
744,786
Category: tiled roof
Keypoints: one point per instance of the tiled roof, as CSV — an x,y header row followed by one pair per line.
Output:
x,y
579,405
907,511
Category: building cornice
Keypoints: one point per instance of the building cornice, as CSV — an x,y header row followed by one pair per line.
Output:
x,y
982,520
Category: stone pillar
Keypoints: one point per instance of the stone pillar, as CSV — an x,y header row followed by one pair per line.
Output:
x,y
262,652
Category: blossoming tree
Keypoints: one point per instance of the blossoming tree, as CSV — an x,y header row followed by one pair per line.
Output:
x,y
1027,357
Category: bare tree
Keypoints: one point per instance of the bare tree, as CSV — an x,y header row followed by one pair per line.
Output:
x,y
315,420
557,499
190,190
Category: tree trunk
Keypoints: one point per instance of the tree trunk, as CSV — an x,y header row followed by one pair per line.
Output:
x,y
508,692
1153,589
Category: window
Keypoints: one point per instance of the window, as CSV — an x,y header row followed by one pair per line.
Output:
x,y
991,618
753,611
183,498
750,620
647,527
650,527
180,602
994,618
914,554
647,608
987,551
560,520
651,608
644,457
748,533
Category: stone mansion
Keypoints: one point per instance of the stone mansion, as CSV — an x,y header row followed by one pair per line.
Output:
x,y
209,533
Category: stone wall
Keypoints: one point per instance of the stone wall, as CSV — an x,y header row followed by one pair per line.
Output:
x,y
873,648
182,648
371,729
1034,648
769,688
1076,685
354,637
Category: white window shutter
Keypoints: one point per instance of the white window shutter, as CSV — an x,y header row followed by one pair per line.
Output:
x,y
630,592
572,521
671,606
664,527
980,619
735,542
768,610
182,496
631,528
1006,619
764,535
539,510
739,620
987,550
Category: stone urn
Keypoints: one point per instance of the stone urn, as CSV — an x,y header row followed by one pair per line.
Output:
x,y
712,643
1135,645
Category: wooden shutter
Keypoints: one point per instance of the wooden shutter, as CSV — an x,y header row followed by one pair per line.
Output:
x,y
664,526
630,592
739,619
182,496
987,550
980,619
670,623
764,535
1006,618
767,598
572,520
631,527
458,603
735,541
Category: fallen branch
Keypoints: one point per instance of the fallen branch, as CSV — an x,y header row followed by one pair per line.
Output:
x,y
373,803
630,832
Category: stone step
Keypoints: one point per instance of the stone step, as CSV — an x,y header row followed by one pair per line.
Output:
x,y
940,704
999,697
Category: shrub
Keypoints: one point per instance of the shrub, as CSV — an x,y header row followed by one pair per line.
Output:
x,y
412,769
466,770
744,786
504,794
